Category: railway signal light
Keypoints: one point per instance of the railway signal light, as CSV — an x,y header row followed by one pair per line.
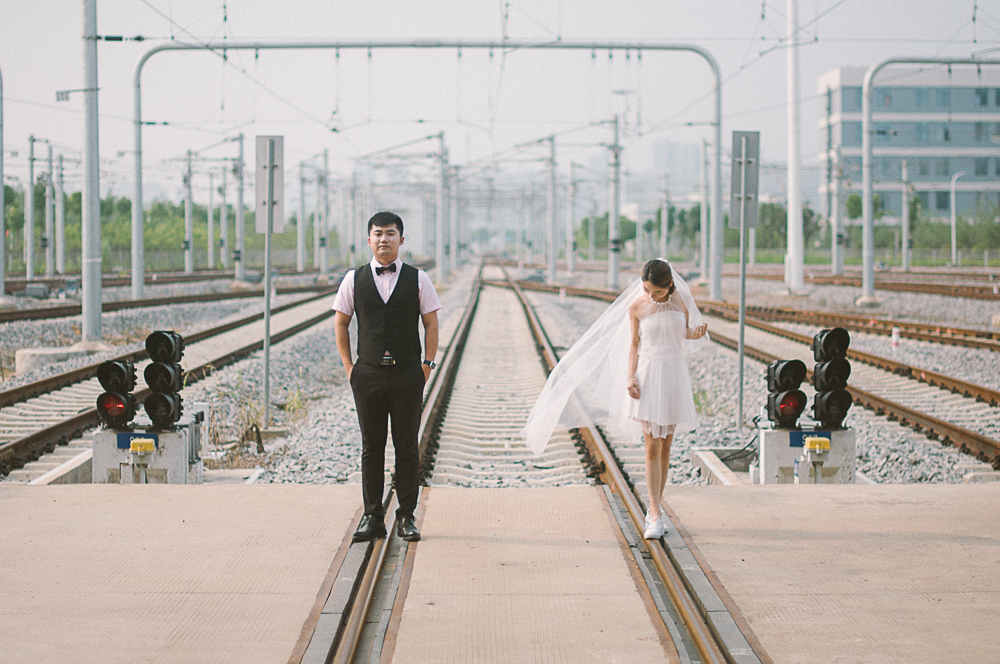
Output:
x,y
165,378
785,401
116,405
830,377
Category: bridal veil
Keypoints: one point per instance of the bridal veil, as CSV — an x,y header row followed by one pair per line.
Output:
x,y
589,382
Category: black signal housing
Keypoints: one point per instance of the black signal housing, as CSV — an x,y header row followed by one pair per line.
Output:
x,y
830,376
785,401
165,378
116,405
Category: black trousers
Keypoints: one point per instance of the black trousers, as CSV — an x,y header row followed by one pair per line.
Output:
x,y
389,394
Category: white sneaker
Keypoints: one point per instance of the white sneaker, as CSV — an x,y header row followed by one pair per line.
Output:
x,y
655,529
648,520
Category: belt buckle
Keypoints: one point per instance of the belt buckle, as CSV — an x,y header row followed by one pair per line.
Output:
x,y
387,361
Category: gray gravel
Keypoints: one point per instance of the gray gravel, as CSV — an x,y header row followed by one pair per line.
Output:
x,y
887,452
124,331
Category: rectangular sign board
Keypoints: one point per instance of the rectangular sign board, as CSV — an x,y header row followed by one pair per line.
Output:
x,y
260,180
752,161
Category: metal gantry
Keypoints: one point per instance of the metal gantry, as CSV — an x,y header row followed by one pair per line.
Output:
x,y
867,196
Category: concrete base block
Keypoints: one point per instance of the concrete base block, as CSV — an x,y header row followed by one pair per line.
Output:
x,y
995,322
29,359
868,302
7,303
96,346
981,477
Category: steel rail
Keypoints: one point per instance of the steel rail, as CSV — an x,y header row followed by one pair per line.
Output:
x,y
935,333
706,640
980,446
46,385
344,644
63,311
12,283
948,290
954,385
16,453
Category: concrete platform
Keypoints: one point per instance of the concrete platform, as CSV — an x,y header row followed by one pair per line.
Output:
x,y
160,573
526,575
863,573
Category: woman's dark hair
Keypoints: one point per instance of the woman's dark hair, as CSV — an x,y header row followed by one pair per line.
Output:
x,y
385,219
658,273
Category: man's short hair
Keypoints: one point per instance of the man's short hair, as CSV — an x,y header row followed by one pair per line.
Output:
x,y
384,219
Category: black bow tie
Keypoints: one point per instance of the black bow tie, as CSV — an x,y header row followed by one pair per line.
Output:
x,y
391,267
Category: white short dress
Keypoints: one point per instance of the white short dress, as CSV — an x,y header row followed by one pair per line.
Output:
x,y
665,404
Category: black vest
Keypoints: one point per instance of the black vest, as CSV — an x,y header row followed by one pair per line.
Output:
x,y
387,326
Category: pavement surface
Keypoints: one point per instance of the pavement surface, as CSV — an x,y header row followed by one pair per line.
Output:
x,y
856,573
527,575
164,573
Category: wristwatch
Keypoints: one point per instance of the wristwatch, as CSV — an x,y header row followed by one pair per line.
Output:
x,y
430,363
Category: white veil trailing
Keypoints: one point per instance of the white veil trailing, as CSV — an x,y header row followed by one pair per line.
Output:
x,y
589,382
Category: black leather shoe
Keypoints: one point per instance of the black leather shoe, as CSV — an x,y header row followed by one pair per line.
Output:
x,y
406,529
370,528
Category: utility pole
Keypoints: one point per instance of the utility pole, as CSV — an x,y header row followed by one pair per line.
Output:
x,y
904,221
454,241
324,250
665,218
47,243
29,213
91,196
551,238
224,222
300,228
354,218
211,222
836,210
794,278
238,256
570,227
60,220
592,232
189,220
318,219
521,224
439,258
705,236
614,244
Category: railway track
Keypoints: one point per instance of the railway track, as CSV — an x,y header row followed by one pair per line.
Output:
x,y
62,311
468,437
15,283
943,408
38,418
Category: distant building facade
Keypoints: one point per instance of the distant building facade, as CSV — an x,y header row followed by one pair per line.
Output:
x,y
935,121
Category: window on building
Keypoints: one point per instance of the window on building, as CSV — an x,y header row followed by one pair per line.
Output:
x,y
997,166
925,199
943,168
996,97
942,96
924,97
923,132
980,132
946,132
982,166
883,97
942,200
982,96
923,167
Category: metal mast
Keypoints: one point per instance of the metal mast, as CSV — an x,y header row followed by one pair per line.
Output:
x,y
439,259
239,256
47,239
60,221
188,220
300,228
90,256
614,244
211,222
796,244
551,238
29,213
570,228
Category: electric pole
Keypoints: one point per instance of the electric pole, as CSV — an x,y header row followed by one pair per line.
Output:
x,y
238,255
29,213
705,238
796,244
439,258
454,241
211,222
904,243
188,220
324,250
90,249
551,238
665,218
47,243
300,228
224,222
592,232
614,244
570,228
60,221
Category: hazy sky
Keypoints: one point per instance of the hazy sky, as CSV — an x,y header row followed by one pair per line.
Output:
x,y
484,104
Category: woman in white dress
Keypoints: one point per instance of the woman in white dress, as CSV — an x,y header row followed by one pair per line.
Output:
x,y
628,374
658,380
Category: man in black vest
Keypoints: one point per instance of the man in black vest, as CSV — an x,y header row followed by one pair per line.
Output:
x,y
390,297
